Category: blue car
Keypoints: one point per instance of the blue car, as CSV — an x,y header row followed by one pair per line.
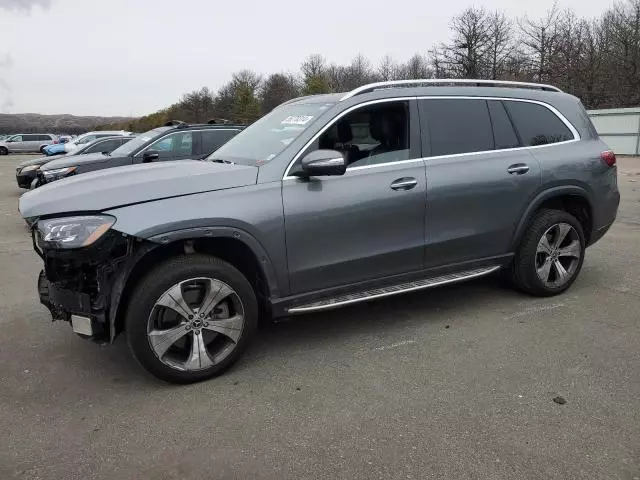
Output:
x,y
76,143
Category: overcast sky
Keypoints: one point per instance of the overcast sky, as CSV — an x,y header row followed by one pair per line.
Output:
x,y
132,57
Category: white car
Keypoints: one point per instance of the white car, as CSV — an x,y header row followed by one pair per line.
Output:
x,y
80,140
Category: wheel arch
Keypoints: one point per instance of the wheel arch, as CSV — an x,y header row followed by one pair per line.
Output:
x,y
570,198
233,245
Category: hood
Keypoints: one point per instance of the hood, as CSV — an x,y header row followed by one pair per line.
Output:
x,y
34,161
119,186
71,160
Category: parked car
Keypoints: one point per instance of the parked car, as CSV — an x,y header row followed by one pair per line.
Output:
x,y
170,142
301,212
73,144
26,143
27,171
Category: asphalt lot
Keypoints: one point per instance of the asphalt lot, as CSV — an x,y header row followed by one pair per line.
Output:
x,y
453,383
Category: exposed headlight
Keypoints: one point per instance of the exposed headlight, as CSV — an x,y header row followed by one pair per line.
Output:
x,y
58,173
30,168
73,232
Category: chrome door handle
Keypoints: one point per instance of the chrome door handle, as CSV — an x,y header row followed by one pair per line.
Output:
x,y
518,168
404,183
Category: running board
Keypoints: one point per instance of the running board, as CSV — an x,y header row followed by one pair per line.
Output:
x,y
342,300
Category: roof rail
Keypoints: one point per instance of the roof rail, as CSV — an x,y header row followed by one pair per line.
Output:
x,y
447,81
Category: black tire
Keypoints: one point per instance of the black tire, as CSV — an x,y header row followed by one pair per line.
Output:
x,y
4,151
151,288
42,149
524,273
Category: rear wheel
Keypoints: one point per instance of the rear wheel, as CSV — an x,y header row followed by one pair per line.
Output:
x,y
550,255
191,318
4,151
42,149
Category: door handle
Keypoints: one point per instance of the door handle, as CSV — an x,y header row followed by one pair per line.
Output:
x,y
518,169
404,183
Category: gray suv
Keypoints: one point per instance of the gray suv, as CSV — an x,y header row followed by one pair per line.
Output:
x,y
327,201
26,142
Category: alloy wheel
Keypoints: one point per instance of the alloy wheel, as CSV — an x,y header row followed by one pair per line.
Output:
x,y
196,324
558,255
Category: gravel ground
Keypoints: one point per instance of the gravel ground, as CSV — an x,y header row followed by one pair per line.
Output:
x,y
454,383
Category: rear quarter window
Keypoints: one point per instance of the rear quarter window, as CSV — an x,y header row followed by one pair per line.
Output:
x,y
536,124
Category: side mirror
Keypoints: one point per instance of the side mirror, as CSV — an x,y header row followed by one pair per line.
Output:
x,y
150,156
323,162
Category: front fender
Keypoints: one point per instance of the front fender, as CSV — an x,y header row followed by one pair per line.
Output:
x,y
228,232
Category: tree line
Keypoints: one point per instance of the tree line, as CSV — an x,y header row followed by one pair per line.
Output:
x,y
598,60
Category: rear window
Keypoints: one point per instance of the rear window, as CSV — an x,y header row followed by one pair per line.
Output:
x,y
458,126
536,124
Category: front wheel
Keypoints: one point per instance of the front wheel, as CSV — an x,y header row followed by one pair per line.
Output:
x,y
191,318
551,254
4,151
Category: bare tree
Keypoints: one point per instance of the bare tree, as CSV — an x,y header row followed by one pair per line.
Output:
x,y
276,89
499,44
540,39
466,55
314,75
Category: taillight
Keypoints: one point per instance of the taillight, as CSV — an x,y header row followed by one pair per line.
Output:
x,y
56,141
608,157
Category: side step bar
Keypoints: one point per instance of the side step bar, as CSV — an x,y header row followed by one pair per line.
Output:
x,y
342,300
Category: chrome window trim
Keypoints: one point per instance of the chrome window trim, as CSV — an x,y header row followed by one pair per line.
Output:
x,y
144,149
563,119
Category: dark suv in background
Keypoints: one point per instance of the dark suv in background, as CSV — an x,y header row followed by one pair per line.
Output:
x,y
27,171
326,201
174,141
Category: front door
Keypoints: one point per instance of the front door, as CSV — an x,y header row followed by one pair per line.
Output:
x,y
479,180
368,223
175,146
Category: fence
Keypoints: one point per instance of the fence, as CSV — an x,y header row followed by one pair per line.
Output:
x,y
619,128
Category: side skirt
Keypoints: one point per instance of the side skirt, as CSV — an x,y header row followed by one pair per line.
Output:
x,y
340,300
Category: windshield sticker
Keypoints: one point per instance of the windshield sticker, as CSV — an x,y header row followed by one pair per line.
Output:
x,y
297,120
287,141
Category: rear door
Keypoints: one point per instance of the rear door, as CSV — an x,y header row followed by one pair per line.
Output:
x,y
478,179
31,142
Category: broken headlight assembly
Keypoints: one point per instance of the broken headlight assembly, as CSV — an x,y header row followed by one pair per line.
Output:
x,y
73,232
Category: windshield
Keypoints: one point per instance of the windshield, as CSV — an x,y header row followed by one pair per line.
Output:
x,y
132,145
267,137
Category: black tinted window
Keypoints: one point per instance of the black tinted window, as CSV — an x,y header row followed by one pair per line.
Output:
x,y
104,146
30,138
504,135
458,126
537,125
214,139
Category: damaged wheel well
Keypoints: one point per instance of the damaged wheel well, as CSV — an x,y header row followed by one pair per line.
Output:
x,y
231,250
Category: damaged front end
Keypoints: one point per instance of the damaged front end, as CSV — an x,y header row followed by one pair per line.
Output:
x,y
79,273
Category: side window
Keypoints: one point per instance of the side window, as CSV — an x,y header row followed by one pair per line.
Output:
x,y
536,124
504,136
104,146
214,139
16,138
369,135
458,126
85,140
179,143
30,138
